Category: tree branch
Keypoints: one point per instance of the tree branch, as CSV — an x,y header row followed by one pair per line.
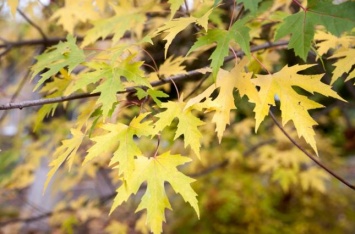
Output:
x,y
309,155
32,24
176,78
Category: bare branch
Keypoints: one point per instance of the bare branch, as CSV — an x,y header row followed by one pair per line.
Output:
x,y
309,155
32,24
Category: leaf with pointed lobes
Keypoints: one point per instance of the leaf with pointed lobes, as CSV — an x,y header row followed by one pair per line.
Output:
x,y
174,26
294,106
238,33
65,54
66,152
155,171
120,139
188,123
226,83
335,18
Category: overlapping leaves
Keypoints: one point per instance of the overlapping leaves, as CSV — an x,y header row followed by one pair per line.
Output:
x,y
335,18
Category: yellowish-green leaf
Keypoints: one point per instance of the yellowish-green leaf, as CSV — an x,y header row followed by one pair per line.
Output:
x,y
124,19
155,172
294,106
174,26
65,54
66,152
110,77
124,135
52,89
187,126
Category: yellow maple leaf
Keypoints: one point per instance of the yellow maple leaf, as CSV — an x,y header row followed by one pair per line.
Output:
x,y
127,149
344,64
227,82
187,126
327,41
74,12
156,171
66,152
172,66
294,106
174,26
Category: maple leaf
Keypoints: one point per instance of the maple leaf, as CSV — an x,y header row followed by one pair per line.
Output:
x,y
174,6
294,106
111,83
251,5
344,64
153,93
69,15
227,82
172,66
52,89
124,135
65,54
335,18
238,33
174,26
155,171
327,41
187,126
123,20
66,152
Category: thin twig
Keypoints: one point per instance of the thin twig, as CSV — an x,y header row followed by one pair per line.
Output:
x,y
32,24
19,87
309,155
176,78
197,87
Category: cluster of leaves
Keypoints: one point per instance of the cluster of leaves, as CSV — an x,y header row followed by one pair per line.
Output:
x,y
116,70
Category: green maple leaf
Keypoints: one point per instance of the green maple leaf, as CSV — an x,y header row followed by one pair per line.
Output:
x,y
127,149
187,126
238,33
156,171
335,18
111,80
65,54
153,93
251,5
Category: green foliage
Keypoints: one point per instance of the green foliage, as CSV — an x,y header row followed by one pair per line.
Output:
x,y
238,33
335,18
65,54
